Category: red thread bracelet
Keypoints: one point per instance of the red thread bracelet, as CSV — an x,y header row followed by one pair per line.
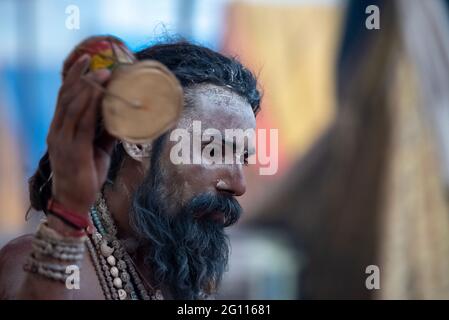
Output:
x,y
74,219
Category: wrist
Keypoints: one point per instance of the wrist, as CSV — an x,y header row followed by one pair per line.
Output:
x,y
71,204
66,220
62,227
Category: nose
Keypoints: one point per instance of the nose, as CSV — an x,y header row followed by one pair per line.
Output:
x,y
232,181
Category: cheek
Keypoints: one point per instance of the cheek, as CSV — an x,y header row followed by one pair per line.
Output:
x,y
191,180
185,181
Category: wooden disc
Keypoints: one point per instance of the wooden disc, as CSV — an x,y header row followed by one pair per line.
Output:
x,y
150,101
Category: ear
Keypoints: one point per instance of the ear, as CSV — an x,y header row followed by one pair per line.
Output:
x,y
137,151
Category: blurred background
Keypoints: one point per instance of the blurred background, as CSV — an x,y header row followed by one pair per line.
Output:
x,y
362,117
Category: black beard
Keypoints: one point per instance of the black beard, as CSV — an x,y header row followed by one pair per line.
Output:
x,y
187,254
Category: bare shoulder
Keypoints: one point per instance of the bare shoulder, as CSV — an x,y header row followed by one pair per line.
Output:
x,y
16,250
12,258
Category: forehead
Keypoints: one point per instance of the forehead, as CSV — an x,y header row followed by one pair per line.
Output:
x,y
216,107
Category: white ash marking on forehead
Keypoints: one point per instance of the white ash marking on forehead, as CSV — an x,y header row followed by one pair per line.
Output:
x,y
218,95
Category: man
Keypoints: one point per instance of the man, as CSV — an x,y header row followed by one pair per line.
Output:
x,y
168,217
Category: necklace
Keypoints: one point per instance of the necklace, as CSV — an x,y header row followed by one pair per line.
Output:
x,y
118,276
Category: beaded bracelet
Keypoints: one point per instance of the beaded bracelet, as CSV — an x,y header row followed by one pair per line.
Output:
x,y
48,243
49,270
50,235
42,253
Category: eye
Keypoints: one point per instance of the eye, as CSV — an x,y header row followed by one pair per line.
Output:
x,y
212,152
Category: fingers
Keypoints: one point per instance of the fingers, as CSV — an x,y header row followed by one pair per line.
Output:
x,y
86,122
69,90
74,110
85,127
77,70
88,99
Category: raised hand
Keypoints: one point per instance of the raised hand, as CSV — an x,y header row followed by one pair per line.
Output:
x,y
79,159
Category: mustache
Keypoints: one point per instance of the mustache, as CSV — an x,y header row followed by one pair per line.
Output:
x,y
208,203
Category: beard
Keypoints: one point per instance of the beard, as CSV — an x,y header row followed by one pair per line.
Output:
x,y
187,251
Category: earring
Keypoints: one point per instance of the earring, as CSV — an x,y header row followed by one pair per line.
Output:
x,y
137,151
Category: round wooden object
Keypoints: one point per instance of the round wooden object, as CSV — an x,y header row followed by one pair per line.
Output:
x,y
142,101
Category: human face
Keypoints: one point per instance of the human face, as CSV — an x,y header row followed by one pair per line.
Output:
x,y
221,109
181,209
